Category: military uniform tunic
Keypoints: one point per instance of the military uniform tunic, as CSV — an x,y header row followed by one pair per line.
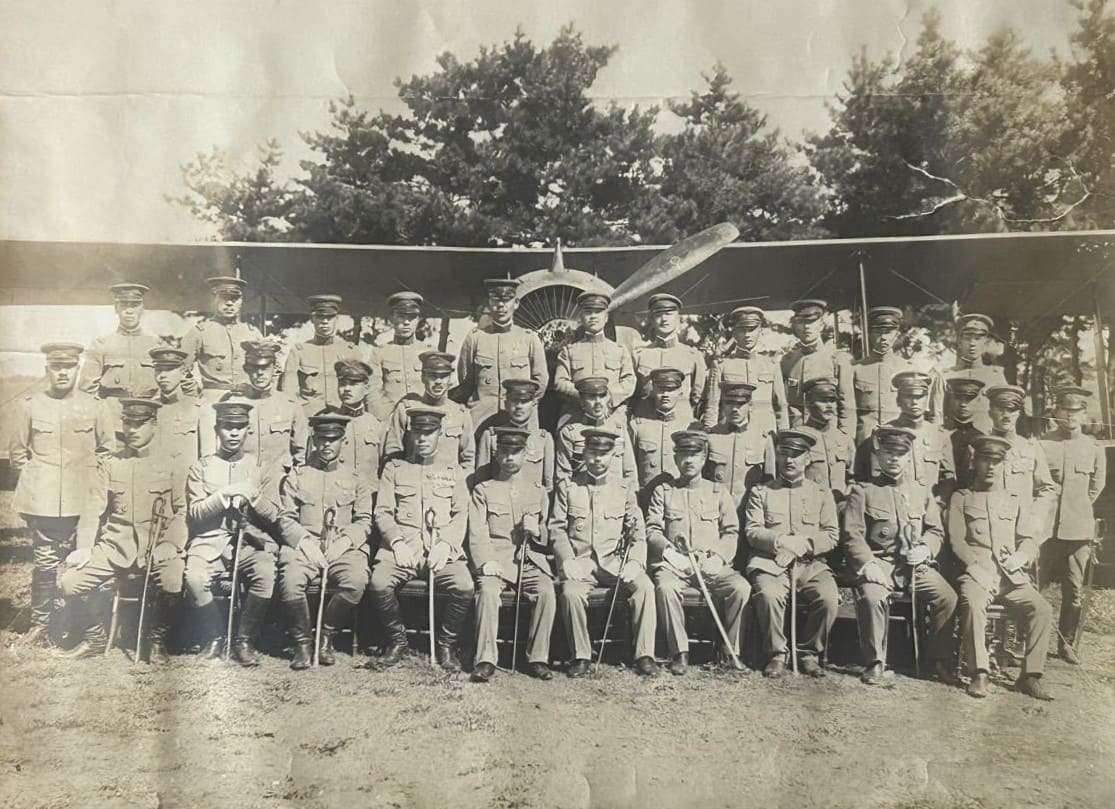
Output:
x,y
594,356
671,353
653,447
876,515
739,458
801,364
805,509
309,375
538,458
278,432
961,436
591,520
129,485
931,458
989,375
305,495
457,445
212,529
489,356
830,460
177,431
769,410
496,514
362,447
876,399
705,514
216,348
1025,473
396,372
117,365
984,528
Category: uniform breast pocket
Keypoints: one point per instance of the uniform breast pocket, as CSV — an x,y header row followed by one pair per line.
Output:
x,y
1022,466
1083,466
114,373
309,377
979,528
118,501
774,517
42,427
518,360
345,504
881,522
452,431
578,521
407,505
485,360
499,520
443,504
392,372
613,364
865,386
278,427
648,451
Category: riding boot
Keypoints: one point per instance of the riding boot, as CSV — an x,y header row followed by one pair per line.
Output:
x,y
86,621
212,631
452,619
251,618
43,590
297,615
390,616
166,608
337,612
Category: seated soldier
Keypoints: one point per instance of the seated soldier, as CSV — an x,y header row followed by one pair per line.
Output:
x,y
421,514
599,539
226,492
504,542
130,485
790,524
520,410
325,520
692,519
595,412
892,537
992,536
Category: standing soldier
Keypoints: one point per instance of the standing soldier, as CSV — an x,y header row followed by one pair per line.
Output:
x,y
361,449
1076,461
397,366
932,462
277,430
830,459
118,365
227,492
216,344
595,411
60,437
325,519
179,414
740,454
132,486
665,350
595,517
768,402
961,395
591,354
690,518
458,444
791,524
497,352
892,537
972,336
650,433
505,522
421,512
813,357
309,374
871,376
520,403
1024,471
990,534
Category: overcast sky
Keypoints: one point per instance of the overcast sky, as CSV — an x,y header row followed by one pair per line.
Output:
x,y
101,102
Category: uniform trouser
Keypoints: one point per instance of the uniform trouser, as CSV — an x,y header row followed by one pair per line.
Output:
x,y
256,568
348,576
52,540
640,599
453,581
1023,601
817,592
98,571
1067,560
539,590
873,614
729,590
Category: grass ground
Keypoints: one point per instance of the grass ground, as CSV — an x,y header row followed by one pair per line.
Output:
x,y
102,733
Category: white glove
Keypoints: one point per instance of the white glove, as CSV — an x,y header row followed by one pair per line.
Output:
x,y
79,558
337,547
438,556
677,560
712,565
311,550
404,555
578,569
491,569
794,544
918,555
873,573
630,571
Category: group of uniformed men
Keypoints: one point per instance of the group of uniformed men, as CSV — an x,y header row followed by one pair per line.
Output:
x,y
755,478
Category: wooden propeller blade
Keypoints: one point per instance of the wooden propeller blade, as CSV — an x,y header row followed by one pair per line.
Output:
x,y
669,264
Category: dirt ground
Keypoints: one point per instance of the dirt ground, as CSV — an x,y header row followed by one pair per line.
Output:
x,y
102,733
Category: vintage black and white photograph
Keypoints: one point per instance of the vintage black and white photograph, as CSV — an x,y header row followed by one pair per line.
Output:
x,y
686,403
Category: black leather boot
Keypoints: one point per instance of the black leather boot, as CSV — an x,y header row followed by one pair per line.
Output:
x,y
212,631
452,620
42,607
86,619
247,630
337,612
297,614
166,608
